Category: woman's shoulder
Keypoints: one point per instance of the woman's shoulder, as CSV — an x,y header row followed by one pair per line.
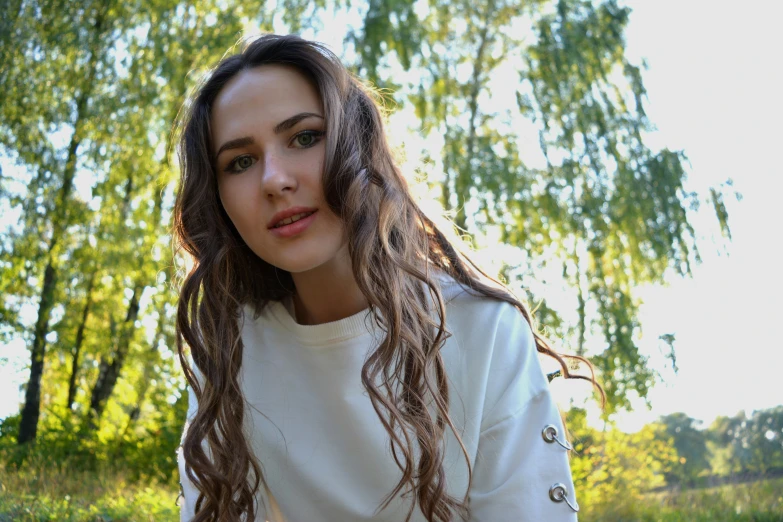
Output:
x,y
475,307
474,319
491,353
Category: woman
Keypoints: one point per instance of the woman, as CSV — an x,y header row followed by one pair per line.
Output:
x,y
349,363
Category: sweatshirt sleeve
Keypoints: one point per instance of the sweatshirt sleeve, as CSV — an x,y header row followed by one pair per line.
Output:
x,y
188,491
518,475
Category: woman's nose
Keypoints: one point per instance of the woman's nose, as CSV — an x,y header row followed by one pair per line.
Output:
x,y
277,178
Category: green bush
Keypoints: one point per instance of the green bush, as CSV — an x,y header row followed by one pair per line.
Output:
x,y
42,489
148,451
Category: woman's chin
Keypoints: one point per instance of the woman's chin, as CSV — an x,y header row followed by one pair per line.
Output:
x,y
298,266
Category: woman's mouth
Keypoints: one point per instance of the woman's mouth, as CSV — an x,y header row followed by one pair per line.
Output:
x,y
292,219
293,225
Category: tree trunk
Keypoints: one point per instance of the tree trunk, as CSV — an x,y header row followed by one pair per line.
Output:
x,y
110,371
143,384
446,186
28,427
77,347
580,350
465,175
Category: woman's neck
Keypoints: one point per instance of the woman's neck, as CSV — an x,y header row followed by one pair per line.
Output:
x,y
328,293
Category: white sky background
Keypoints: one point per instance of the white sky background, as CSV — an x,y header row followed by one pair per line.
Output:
x,y
715,88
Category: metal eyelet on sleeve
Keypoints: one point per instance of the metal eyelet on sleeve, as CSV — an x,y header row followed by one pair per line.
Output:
x,y
559,493
550,435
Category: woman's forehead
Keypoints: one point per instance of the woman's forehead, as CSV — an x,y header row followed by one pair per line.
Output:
x,y
264,94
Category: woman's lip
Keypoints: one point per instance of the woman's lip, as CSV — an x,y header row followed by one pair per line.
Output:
x,y
287,213
295,228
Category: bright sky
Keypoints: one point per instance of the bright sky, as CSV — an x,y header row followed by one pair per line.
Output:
x,y
714,83
715,86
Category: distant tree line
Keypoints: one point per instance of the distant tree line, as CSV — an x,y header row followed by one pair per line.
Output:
x,y
675,452
741,446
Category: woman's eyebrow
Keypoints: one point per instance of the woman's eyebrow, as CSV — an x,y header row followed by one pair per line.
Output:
x,y
293,120
235,144
280,127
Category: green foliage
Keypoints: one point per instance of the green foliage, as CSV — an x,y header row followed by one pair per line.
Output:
x,y
608,461
742,444
759,501
691,445
94,107
44,489
615,472
46,486
614,213
65,477
390,26
143,451
91,90
622,206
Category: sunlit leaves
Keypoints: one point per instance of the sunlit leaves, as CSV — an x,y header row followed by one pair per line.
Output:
x,y
614,212
611,461
93,90
91,94
389,27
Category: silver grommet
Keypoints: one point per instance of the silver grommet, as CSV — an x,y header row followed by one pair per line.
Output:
x,y
550,435
559,493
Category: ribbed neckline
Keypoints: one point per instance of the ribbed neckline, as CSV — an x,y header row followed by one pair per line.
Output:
x,y
327,334
322,334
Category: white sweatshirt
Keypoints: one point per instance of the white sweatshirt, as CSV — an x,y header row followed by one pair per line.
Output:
x,y
326,455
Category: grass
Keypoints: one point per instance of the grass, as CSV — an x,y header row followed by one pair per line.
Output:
x,y
42,491
760,501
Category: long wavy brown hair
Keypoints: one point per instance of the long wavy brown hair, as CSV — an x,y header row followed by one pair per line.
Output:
x,y
395,250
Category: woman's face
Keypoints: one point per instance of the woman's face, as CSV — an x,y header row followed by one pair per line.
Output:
x,y
268,133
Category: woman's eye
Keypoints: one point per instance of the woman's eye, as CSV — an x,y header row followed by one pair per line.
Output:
x,y
240,164
244,162
307,139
